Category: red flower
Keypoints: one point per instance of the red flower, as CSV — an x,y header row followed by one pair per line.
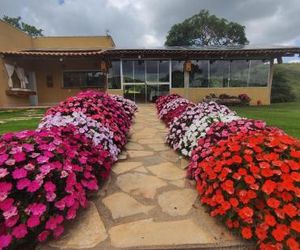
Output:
x,y
295,225
228,186
234,202
245,213
293,244
247,233
249,179
295,154
270,220
290,210
261,232
269,187
273,203
280,232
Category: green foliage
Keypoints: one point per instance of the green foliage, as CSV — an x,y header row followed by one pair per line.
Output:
x,y
204,29
29,29
281,90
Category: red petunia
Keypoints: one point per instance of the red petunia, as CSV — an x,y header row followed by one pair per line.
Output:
x,y
247,233
270,220
269,187
228,186
280,232
295,154
245,213
290,210
295,225
273,203
249,179
261,231
293,244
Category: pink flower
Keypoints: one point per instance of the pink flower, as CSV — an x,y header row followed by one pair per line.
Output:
x,y
20,231
3,158
37,209
5,240
33,221
10,213
50,196
43,236
28,147
6,204
19,156
71,214
29,166
10,162
23,183
49,186
3,172
42,159
60,204
58,231
19,173
12,221
33,186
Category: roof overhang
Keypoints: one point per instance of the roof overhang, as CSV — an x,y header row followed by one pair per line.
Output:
x,y
166,52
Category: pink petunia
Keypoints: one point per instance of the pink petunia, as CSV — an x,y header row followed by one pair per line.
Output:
x,y
6,204
43,235
23,183
37,208
71,214
12,221
58,231
28,147
42,159
50,186
5,240
3,172
10,162
33,221
20,231
19,156
13,211
3,158
33,186
19,173
29,166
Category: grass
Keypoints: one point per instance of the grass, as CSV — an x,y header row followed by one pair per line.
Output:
x,y
282,115
292,74
16,120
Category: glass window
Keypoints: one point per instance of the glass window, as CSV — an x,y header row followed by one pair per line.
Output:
x,y
114,78
259,73
219,74
239,72
139,71
152,71
164,71
77,79
199,74
128,71
177,74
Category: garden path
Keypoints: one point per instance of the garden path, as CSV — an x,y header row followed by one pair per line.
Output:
x,y
147,203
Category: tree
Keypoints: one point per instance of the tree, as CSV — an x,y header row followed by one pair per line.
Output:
x,y
281,89
204,29
27,28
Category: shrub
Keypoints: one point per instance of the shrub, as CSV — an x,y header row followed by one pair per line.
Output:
x,y
281,90
251,182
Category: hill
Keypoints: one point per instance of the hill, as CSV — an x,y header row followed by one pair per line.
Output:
x,y
292,74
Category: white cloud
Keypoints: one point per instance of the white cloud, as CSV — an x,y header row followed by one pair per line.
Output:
x,y
146,22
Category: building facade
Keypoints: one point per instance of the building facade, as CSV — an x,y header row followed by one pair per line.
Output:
x,y
45,70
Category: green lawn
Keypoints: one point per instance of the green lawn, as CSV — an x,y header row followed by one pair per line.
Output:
x,y
283,115
16,120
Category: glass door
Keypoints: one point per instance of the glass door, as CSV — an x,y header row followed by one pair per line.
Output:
x,y
135,92
156,90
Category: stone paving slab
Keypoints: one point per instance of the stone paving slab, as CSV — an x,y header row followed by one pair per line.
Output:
x,y
147,202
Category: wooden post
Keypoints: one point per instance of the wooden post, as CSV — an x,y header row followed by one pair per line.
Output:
x,y
270,78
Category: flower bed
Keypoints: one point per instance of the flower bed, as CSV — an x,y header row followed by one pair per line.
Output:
x,y
247,173
46,174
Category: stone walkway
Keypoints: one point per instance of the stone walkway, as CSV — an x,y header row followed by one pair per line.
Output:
x,y
147,203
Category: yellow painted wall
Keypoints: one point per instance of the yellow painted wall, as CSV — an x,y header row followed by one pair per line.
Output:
x,y
67,42
11,38
115,91
197,94
55,94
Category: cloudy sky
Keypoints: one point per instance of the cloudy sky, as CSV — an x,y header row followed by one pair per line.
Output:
x,y
145,23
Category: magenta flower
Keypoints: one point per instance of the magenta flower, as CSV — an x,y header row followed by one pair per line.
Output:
x,y
19,156
42,159
23,183
3,158
37,209
20,231
33,186
5,240
43,236
19,173
33,221
3,172
50,186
